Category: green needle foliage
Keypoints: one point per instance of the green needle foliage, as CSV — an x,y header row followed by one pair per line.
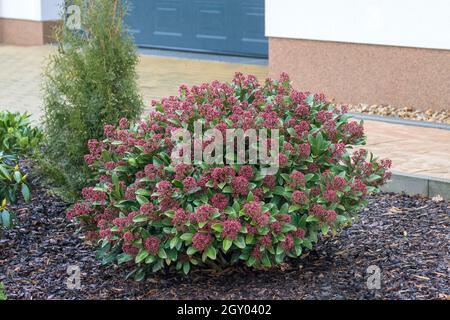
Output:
x,y
90,81
2,292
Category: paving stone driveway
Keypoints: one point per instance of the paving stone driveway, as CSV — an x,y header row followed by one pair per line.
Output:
x,y
413,150
21,67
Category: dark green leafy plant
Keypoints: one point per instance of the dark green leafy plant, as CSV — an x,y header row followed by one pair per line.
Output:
x,y
17,135
18,138
2,292
148,211
90,81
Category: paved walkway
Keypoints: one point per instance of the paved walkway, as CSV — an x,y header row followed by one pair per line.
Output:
x,y
413,149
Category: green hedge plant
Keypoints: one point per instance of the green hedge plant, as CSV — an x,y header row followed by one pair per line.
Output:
x,y
90,81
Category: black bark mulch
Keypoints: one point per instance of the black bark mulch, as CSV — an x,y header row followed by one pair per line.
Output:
x,y
406,237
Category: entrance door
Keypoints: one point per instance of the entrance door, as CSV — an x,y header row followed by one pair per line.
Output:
x,y
215,26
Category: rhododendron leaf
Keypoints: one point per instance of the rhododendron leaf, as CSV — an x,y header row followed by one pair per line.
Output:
x,y
226,244
227,189
140,218
132,162
307,243
217,227
157,266
221,185
249,238
123,257
250,197
298,250
172,255
162,253
373,177
288,227
229,211
278,190
186,237
294,207
266,261
279,250
191,250
173,243
115,179
312,218
284,208
240,242
236,206
141,256
186,267
26,193
263,231
142,200
157,162
6,219
251,261
177,183
310,100
211,253
279,257
140,275
325,229
210,184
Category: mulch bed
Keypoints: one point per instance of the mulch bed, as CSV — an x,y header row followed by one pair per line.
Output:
x,y
406,237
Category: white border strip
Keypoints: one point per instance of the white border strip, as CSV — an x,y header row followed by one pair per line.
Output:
x,y
409,23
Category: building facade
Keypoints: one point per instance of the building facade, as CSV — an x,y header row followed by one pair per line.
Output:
x,y
371,51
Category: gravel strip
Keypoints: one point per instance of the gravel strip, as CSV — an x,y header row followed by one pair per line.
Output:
x,y
406,237
439,116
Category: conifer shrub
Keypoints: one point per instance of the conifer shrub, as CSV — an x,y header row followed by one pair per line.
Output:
x,y
90,81
148,212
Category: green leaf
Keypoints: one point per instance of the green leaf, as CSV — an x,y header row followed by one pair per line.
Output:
x,y
143,192
211,253
141,256
142,200
123,257
173,242
191,250
226,244
294,208
240,242
278,190
6,219
186,267
140,218
217,227
312,218
162,253
227,189
265,261
26,192
288,227
186,237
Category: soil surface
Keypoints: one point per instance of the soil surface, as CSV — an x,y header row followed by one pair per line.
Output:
x,y
407,238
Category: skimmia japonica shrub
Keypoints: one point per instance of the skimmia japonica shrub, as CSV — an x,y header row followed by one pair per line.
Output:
x,y
149,212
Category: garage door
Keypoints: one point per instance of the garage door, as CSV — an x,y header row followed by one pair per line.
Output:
x,y
218,26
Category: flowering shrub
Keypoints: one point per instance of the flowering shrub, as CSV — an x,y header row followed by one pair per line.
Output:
x,y
148,212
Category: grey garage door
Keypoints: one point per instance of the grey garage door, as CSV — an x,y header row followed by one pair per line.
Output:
x,y
219,26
